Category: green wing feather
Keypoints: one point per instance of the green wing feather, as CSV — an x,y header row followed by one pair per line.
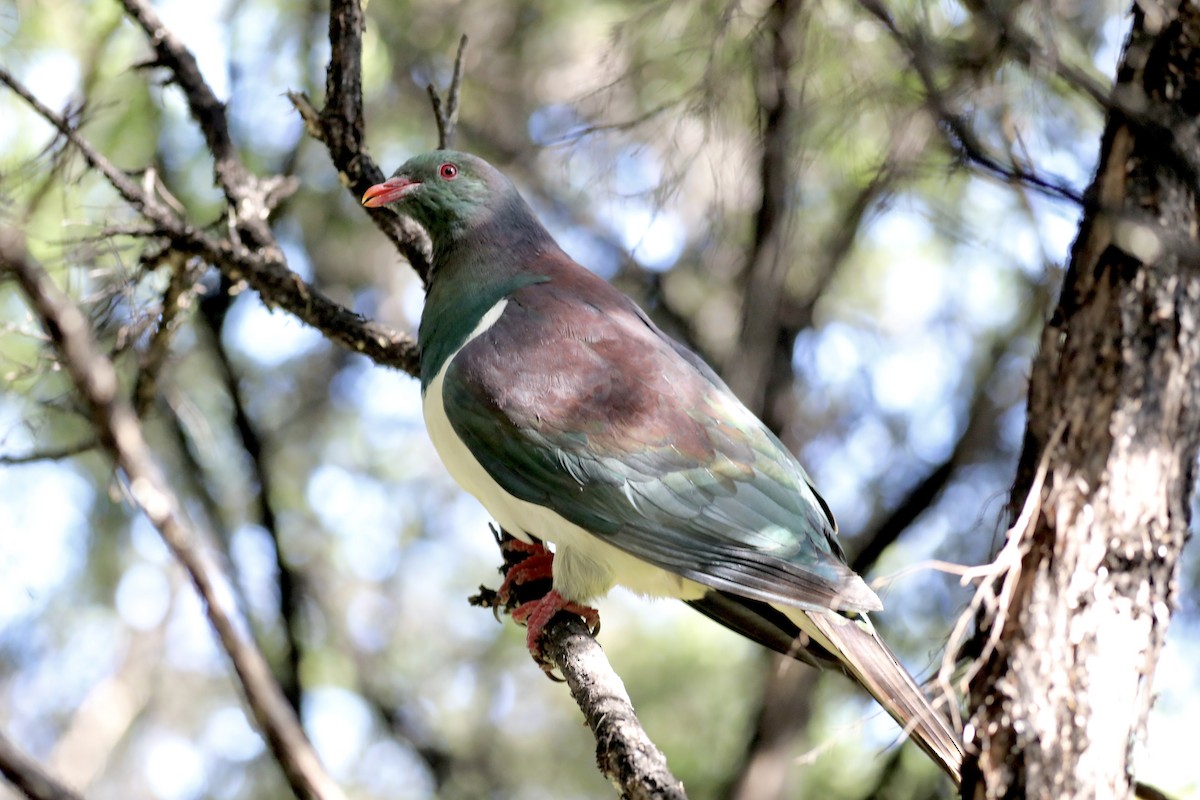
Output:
x,y
623,433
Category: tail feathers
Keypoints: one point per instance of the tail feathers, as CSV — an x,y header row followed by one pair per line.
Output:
x,y
830,640
873,664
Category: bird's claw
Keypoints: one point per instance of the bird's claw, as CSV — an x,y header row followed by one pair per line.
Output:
x,y
538,565
536,615
527,562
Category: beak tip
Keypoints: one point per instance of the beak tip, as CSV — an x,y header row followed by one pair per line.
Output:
x,y
391,190
370,198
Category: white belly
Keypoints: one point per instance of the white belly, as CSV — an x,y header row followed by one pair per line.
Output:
x,y
584,565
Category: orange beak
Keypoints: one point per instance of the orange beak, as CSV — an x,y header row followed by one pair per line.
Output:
x,y
389,191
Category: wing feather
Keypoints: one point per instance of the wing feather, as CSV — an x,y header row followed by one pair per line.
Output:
x,y
622,432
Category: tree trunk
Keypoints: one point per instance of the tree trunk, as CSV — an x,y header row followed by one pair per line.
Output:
x,y
1082,596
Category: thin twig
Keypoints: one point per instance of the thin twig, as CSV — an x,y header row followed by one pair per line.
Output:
x,y
445,114
959,135
981,416
181,291
439,114
1160,124
1005,568
213,312
51,453
142,202
120,430
455,88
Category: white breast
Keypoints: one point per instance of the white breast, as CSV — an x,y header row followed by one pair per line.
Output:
x,y
584,566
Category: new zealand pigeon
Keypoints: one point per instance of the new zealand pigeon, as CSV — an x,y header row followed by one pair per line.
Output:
x,y
553,399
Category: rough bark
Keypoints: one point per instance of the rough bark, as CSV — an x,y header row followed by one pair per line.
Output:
x,y
1079,609
624,752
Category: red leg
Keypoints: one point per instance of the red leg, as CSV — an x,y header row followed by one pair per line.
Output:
x,y
538,564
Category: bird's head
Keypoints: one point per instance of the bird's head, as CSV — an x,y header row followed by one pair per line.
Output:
x,y
444,190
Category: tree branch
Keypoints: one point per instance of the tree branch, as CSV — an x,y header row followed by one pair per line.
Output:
x,y
981,417
1156,122
769,260
28,776
250,198
340,127
264,269
624,752
446,114
51,453
959,135
213,311
785,705
120,431
180,294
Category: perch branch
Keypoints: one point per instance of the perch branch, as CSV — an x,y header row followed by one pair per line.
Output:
x,y
624,752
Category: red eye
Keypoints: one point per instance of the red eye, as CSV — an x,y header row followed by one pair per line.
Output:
x,y
448,171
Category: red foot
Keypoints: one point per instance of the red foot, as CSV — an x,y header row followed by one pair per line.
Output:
x,y
537,613
537,564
